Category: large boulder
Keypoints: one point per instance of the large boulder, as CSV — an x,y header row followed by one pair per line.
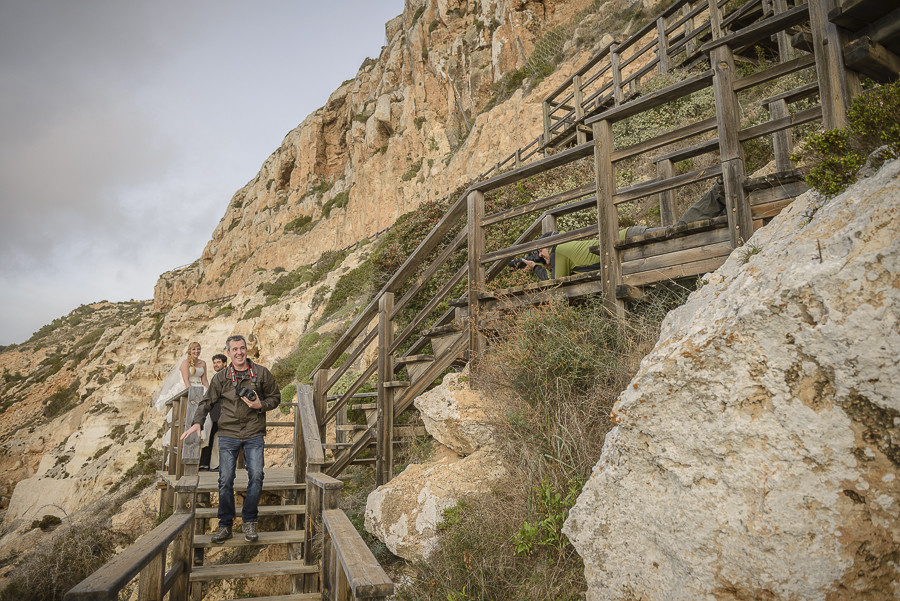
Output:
x,y
457,416
757,450
405,512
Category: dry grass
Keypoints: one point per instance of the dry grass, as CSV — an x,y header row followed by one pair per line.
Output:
x,y
555,371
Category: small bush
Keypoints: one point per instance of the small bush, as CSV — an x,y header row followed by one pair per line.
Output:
x,y
338,201
412,172
300,225
358,283
61,401
254,312
48,522
836,155
69,555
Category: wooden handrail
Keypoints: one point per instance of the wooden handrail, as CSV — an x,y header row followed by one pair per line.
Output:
x,y
149,551
348,566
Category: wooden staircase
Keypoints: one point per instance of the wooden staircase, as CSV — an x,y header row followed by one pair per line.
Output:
x,y
278,483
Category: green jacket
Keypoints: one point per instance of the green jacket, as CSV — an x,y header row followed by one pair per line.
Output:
x,y
237,419
573,257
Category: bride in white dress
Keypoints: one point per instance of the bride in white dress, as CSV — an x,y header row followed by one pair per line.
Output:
x,y
193,368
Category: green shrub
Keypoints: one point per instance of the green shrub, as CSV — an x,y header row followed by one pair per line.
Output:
x,y
300,225
46,523
254,312
61,401
338,201
412,172
355,284
310,349
836,155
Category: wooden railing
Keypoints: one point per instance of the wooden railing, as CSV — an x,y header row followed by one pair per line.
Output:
x,y
349,571
147,557
712,143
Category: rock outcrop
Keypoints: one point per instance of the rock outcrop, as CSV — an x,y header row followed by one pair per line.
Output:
x,y
405,513
756,451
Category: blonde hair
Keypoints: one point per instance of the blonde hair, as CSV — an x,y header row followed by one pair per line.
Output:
x,y
192,370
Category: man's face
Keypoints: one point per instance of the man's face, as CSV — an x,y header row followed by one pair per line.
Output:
x,y
545,255
237,350
218,364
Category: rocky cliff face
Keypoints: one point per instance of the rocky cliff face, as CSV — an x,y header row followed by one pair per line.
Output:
x,y
410,126
756,451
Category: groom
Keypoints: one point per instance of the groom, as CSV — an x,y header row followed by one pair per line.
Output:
x,y
245,392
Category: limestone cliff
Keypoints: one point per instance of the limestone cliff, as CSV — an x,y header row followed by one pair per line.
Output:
x,y
412,125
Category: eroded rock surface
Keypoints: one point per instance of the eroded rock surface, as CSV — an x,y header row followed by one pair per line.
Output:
x,y
457,416
405,512
757,450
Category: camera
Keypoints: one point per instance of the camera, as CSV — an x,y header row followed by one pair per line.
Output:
x,y
519,263
249,393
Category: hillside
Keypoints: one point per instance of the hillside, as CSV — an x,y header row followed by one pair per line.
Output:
x,y
440,104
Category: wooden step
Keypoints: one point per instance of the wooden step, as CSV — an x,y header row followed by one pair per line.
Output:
x,y
280,425
358,395
267,510
413,359
351,427
265,538
295,597
450,328
251,570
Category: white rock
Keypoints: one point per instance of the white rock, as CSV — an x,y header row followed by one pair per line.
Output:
x,y
456,415
756,448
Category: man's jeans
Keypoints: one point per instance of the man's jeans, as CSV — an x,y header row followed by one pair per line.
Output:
x,y
253,458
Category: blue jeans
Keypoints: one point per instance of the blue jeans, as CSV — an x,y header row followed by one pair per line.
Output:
x,y
253,458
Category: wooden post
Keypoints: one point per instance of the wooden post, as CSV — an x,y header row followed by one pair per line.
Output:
x,y
616,73
782,141
837,85
715,20
384,456
151,579
662,48
183,546
299,444
786,52
546,108
548,224
728,113
322,493
607,216
691,46
320,398
311,524
664,170
476,276
578,98
294,550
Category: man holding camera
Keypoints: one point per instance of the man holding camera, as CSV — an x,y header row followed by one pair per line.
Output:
x,y
244,391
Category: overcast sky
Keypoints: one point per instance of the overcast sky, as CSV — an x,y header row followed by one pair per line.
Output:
x,y
126,127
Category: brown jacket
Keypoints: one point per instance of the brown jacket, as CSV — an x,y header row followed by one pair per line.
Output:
x,y
237,419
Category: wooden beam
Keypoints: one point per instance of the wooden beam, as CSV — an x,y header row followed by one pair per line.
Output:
x,y
607,216
837,86
761,29
870,58
384,454
476,270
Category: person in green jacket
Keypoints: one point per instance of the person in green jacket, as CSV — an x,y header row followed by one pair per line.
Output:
x,y
564,259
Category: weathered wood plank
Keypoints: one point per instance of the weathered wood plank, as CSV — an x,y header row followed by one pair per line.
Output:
x,y
265,538
870,58
250,570
775,125
664,246
768,210
385,405
688,152
121,569
799,93
678,257
538,205
671,137
657,98
655,186
761,29
775,72
767,195
364,574
674,272
837,86
555,160
512,251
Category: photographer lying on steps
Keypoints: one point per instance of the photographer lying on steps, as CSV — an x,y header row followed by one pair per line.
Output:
x,y
576,257
563,259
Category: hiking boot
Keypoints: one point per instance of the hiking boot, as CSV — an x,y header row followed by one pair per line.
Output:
x,y
250,534
222,534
